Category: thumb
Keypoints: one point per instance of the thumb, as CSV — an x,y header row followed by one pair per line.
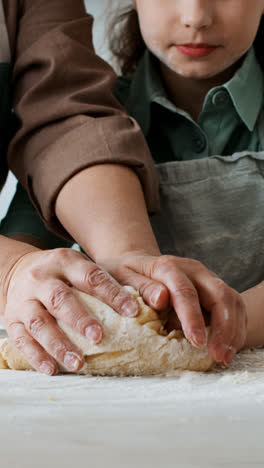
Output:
x,y
154,293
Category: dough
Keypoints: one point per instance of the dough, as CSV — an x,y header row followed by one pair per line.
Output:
x,y
131,346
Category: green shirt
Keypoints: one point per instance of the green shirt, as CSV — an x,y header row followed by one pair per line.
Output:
x,y
227,124
22,218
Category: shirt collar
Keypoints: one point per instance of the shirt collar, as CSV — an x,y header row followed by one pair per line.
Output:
x,y
147,87
246,89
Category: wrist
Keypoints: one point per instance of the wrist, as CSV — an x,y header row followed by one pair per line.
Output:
x,y
122,251
122,255
16,251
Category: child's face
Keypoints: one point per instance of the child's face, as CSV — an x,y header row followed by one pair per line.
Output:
x,y
228,25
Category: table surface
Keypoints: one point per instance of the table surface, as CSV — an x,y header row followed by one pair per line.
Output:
x,y
187,420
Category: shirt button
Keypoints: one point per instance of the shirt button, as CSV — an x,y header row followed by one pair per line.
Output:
x,y
199,145
220,98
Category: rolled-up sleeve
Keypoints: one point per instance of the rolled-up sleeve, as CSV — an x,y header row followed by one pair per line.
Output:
x,y
68,118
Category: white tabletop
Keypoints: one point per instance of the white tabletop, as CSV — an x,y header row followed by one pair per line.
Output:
x,y
188,420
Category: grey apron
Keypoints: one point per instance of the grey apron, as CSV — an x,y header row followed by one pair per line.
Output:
x,y
211,211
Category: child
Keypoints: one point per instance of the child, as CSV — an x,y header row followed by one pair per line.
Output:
x,y
188,66
193,79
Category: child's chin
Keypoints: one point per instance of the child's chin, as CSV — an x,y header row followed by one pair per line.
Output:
x,y
193,71
194,74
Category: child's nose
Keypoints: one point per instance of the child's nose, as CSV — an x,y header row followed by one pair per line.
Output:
x,y
196,14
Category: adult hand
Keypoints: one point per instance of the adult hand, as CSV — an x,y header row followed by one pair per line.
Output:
x,y
37,290
187,285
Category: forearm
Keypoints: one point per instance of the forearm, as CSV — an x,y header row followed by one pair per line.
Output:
x,y
81,123
11,251
104,210
254,301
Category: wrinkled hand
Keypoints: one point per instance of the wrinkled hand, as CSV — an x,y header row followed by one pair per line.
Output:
x,y
187,285
38,290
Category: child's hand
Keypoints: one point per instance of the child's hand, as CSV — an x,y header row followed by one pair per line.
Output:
x,y
188,285
37,290
254,300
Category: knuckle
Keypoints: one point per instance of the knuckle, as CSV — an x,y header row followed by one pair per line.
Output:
x,y
165,261
164,265
145,287
35,274
61,255
20,342
114,295
196,265
186,290
57,347
58,296
224,293
35,325
96,277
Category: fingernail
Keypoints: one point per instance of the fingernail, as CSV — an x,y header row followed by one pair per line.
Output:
x,y
155,296
72,361
129,309
47,368
94,333
229,356
199,338
223,365
220,353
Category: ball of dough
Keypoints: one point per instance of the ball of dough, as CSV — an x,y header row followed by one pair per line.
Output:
x,y
131,346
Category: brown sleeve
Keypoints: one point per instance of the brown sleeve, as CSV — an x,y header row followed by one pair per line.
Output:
x,y
62,95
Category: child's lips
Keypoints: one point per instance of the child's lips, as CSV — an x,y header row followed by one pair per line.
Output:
x,y
196,50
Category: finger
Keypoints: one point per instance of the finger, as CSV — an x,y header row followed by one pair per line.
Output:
x,y
61,302
88,277
238,339
36,356
43,328
154,293
212,290
186,304
224,305
223,327
183,294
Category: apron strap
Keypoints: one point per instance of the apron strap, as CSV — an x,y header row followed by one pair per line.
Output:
x,y
5,54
